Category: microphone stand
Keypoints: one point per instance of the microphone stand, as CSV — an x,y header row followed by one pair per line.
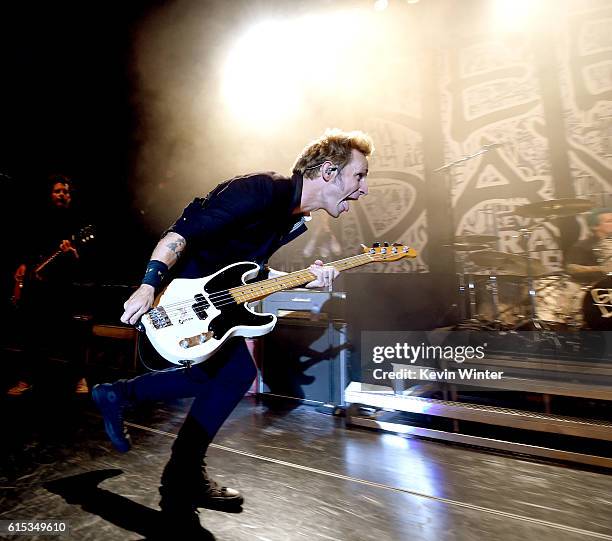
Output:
x,y
449,193
483,150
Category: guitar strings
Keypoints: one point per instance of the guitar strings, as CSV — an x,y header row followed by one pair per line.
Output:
x,y
216,296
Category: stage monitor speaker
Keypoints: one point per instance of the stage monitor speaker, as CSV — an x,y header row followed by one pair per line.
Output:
x,y
306,359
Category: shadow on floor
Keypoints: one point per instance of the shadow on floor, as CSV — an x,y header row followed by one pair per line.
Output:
x,y
154,525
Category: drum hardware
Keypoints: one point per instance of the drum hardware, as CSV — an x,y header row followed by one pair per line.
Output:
x,y
494,263
514,264
494,295
533,273
554,208
448,183
493,288
557,304
466,281
463,246
534,268
563,291
558,300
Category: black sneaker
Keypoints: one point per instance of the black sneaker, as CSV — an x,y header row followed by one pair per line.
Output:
x,y
209,495
110,402
215,496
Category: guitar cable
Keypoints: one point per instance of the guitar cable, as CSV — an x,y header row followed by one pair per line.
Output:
x,y
139,339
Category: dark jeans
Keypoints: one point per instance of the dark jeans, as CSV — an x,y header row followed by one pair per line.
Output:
x,y
217,384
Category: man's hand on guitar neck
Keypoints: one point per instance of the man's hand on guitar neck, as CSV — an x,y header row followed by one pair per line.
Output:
x,y
325,274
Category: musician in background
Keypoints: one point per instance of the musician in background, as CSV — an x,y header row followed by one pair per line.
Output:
x,y
246,218
44,283
584,259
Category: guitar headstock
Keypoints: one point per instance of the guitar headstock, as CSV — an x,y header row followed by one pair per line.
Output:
x,y
383,252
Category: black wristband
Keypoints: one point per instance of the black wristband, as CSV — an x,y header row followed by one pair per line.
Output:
x,y
156,270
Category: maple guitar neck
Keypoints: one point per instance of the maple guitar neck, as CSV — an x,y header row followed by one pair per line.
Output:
x,y
259,290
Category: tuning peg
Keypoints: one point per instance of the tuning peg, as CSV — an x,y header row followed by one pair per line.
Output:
x,y
397,244
376,245
386,244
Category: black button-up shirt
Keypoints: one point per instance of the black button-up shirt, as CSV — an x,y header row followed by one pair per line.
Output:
x,y
246,218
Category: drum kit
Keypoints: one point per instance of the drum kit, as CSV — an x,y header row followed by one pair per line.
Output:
x,y
532,297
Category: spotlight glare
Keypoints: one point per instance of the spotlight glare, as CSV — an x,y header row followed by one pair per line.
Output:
x,y
513,15
270,69
380,5
257,74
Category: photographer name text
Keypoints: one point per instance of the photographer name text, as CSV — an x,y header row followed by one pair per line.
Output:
x,y
431,374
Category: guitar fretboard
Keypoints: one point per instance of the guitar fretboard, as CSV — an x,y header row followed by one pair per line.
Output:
x,y
259,290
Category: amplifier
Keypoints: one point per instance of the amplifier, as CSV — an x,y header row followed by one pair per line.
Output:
x,y
306,356
304,303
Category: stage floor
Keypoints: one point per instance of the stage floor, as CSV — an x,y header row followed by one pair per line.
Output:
x,y
303,474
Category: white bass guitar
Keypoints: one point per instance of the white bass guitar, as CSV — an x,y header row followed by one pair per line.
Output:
x,y
192,318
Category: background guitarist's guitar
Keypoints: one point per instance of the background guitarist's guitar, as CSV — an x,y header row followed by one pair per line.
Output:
x,y
82,236
193,317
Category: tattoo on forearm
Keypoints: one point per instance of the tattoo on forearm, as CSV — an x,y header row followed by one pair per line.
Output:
x,y
176,247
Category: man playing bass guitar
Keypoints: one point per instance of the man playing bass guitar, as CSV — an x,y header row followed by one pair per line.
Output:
x,y
246,218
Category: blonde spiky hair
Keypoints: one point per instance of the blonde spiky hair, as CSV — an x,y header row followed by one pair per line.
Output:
x,y
335,146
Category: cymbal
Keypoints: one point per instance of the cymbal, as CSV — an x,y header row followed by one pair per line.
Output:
x,y
510,263
463,247
556,208
474,239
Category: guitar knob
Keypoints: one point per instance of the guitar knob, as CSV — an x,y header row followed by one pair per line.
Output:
x,y
386,244
376,245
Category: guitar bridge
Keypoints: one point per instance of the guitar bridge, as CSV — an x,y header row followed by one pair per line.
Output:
x,y
196,340
159,318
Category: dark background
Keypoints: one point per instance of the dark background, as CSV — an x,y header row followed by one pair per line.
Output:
x,y
66,109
